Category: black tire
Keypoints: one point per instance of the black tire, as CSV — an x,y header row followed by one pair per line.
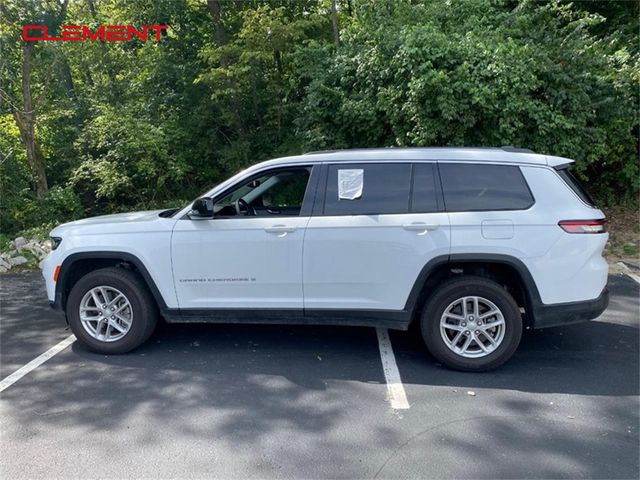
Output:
x,y
143,305
460,287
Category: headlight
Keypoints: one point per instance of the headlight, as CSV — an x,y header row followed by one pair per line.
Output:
x,y
55,242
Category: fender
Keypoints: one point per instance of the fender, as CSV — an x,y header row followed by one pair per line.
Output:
x,y
531,289
60,300
421,281
532,295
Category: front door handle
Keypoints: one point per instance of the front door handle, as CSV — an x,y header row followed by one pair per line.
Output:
x,y
280,229
420,227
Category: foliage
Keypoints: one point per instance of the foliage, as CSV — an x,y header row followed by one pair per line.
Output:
x,y
15,179
532,77
41,232
125,125
124,159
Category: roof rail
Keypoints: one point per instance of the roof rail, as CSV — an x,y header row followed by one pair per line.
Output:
x,y
361,149
509,148
506,148
317,152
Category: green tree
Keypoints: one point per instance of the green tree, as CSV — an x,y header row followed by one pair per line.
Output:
x,y
96,127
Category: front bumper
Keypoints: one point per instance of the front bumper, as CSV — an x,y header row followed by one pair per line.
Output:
x,y
573,312
57,303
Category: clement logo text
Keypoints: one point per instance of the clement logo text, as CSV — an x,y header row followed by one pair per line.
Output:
x,y
81,33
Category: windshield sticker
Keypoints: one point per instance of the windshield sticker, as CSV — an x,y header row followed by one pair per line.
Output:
x,y
350,184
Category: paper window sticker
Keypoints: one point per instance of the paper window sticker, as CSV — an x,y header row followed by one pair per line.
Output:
x,y
350,184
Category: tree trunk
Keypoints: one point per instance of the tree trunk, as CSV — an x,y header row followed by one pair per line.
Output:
x,y
221,39
334,22
26,121
105,55
214,9
67,78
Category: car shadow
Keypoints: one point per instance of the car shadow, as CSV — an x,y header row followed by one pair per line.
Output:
x,y
600,357
241,383
28,325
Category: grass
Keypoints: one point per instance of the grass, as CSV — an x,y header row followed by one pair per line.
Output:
x,y
4,242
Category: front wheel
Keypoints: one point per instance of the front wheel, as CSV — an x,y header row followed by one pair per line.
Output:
x,y
471,324
111,311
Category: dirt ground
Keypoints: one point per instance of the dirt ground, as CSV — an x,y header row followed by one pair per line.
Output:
x,y
624,235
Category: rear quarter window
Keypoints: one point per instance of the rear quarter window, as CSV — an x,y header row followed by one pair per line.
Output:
x,y
576,186
472,187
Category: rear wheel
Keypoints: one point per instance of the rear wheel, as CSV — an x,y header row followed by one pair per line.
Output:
x,y
111,311
471,324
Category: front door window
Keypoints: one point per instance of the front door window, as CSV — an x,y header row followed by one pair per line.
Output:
x,y
277,193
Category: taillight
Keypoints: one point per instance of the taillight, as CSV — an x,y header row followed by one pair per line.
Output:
x,y
584,226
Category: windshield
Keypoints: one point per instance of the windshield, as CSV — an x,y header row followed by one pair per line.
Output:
x,y
208,192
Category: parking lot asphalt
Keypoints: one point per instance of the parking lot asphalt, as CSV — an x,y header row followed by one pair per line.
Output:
x,y
247,401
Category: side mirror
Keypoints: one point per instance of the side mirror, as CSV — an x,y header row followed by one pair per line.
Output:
x,y
202,209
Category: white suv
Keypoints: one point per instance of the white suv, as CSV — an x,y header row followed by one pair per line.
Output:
x,y
474,244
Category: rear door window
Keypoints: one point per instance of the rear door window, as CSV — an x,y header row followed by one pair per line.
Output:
x,y
473,187
367,189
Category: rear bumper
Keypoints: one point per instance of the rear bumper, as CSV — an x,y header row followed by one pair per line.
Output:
x,y
573,312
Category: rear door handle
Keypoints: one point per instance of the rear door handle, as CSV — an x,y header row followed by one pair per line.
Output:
x,y
280,229
420,227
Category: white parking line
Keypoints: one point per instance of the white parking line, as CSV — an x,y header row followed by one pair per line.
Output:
x,y
395,390
35,363
627,272
634,276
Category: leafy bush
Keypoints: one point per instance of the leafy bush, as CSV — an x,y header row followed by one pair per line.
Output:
x,y
57,206
136,124
40,232
125,160
477,74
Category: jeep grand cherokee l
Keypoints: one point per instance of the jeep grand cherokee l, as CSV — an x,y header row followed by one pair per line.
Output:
x,y
472,244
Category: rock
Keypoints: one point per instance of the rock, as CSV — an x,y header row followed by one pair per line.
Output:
x,y
19,260
19,242
4,263
36,250
3,269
